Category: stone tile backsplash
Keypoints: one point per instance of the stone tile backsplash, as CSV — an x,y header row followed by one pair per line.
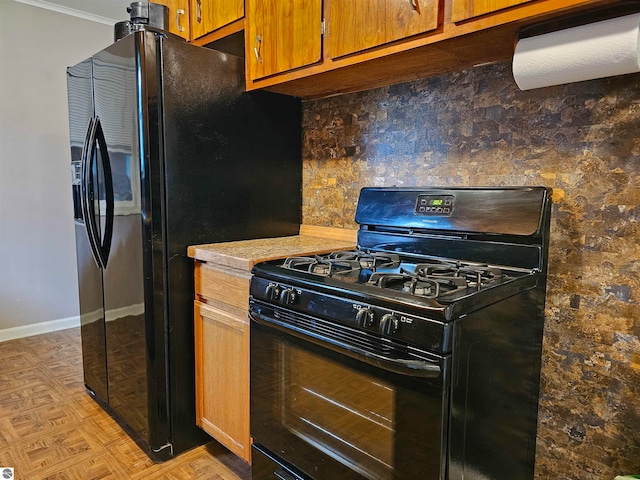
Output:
x,y
583,140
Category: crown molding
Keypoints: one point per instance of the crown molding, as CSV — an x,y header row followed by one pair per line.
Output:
x,y
69,11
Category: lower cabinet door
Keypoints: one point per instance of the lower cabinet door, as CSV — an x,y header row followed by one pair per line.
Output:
x,y
222,377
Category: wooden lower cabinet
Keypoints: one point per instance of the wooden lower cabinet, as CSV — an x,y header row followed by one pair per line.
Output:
x,y
222,361
222,274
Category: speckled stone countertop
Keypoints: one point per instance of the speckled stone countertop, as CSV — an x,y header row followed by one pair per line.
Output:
x,y
245,254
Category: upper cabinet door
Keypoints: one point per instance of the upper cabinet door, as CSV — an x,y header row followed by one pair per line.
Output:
x,y
465,9
178,16
210,15
281,36
355,25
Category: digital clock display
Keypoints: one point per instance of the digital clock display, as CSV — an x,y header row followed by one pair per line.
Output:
x,y
435,205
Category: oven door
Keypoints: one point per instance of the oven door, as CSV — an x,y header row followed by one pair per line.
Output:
x,y
333,402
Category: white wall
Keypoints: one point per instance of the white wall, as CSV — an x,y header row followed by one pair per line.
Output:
x,y
38,278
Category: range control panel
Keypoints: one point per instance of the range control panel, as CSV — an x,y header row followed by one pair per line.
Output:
x,y
286,303
435,205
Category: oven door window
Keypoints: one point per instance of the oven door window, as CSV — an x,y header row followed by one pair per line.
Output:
x,y
333,416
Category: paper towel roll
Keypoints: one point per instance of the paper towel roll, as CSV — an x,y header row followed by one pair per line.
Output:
x,y
597,50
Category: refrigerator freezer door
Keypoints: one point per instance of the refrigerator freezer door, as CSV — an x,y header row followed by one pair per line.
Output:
x,y
116,105
92,326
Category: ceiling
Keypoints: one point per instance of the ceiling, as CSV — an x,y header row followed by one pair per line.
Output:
x,y
103,11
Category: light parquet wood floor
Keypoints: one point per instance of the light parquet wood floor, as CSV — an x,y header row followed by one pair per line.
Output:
x,y
50,428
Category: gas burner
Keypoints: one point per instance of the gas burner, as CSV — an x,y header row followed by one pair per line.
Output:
x,y
369,260
435,280
473,275
419,285
325,267
422,287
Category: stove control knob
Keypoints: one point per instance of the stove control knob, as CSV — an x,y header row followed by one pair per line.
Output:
x,y
288,296
389,324
272,292
364,317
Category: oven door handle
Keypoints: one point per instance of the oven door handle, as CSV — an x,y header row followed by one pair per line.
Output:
x,y
409,367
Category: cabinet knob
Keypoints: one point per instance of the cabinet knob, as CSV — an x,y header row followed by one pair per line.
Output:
x,y
256,48
415,4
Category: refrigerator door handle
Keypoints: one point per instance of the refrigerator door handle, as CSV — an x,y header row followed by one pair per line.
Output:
x,y
87,192
105,244
100,245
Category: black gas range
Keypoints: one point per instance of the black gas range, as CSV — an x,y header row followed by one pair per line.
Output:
x,y
414,356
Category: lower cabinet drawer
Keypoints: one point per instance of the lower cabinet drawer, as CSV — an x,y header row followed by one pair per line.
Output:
x,y
222,285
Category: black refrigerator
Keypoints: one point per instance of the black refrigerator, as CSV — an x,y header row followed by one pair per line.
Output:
x,y
167,150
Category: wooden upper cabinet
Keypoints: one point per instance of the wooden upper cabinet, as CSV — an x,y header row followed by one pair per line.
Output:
x,y
355,25
282,35
178,16
210,15
371,43
466,9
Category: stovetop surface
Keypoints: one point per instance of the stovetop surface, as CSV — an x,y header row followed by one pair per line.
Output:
x,y
422,277
444,287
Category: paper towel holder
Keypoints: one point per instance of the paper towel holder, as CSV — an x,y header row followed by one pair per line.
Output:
x,y
604,44
619,9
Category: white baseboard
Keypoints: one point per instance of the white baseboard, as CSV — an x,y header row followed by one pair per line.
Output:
x,y
38,328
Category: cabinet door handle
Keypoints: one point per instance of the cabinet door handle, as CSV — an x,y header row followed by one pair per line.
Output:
x,y
178,13
256,48
199,11
415,4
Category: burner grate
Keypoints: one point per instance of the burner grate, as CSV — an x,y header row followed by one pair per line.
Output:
x,y
326,267
432,279
370,260
343,262
461,274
